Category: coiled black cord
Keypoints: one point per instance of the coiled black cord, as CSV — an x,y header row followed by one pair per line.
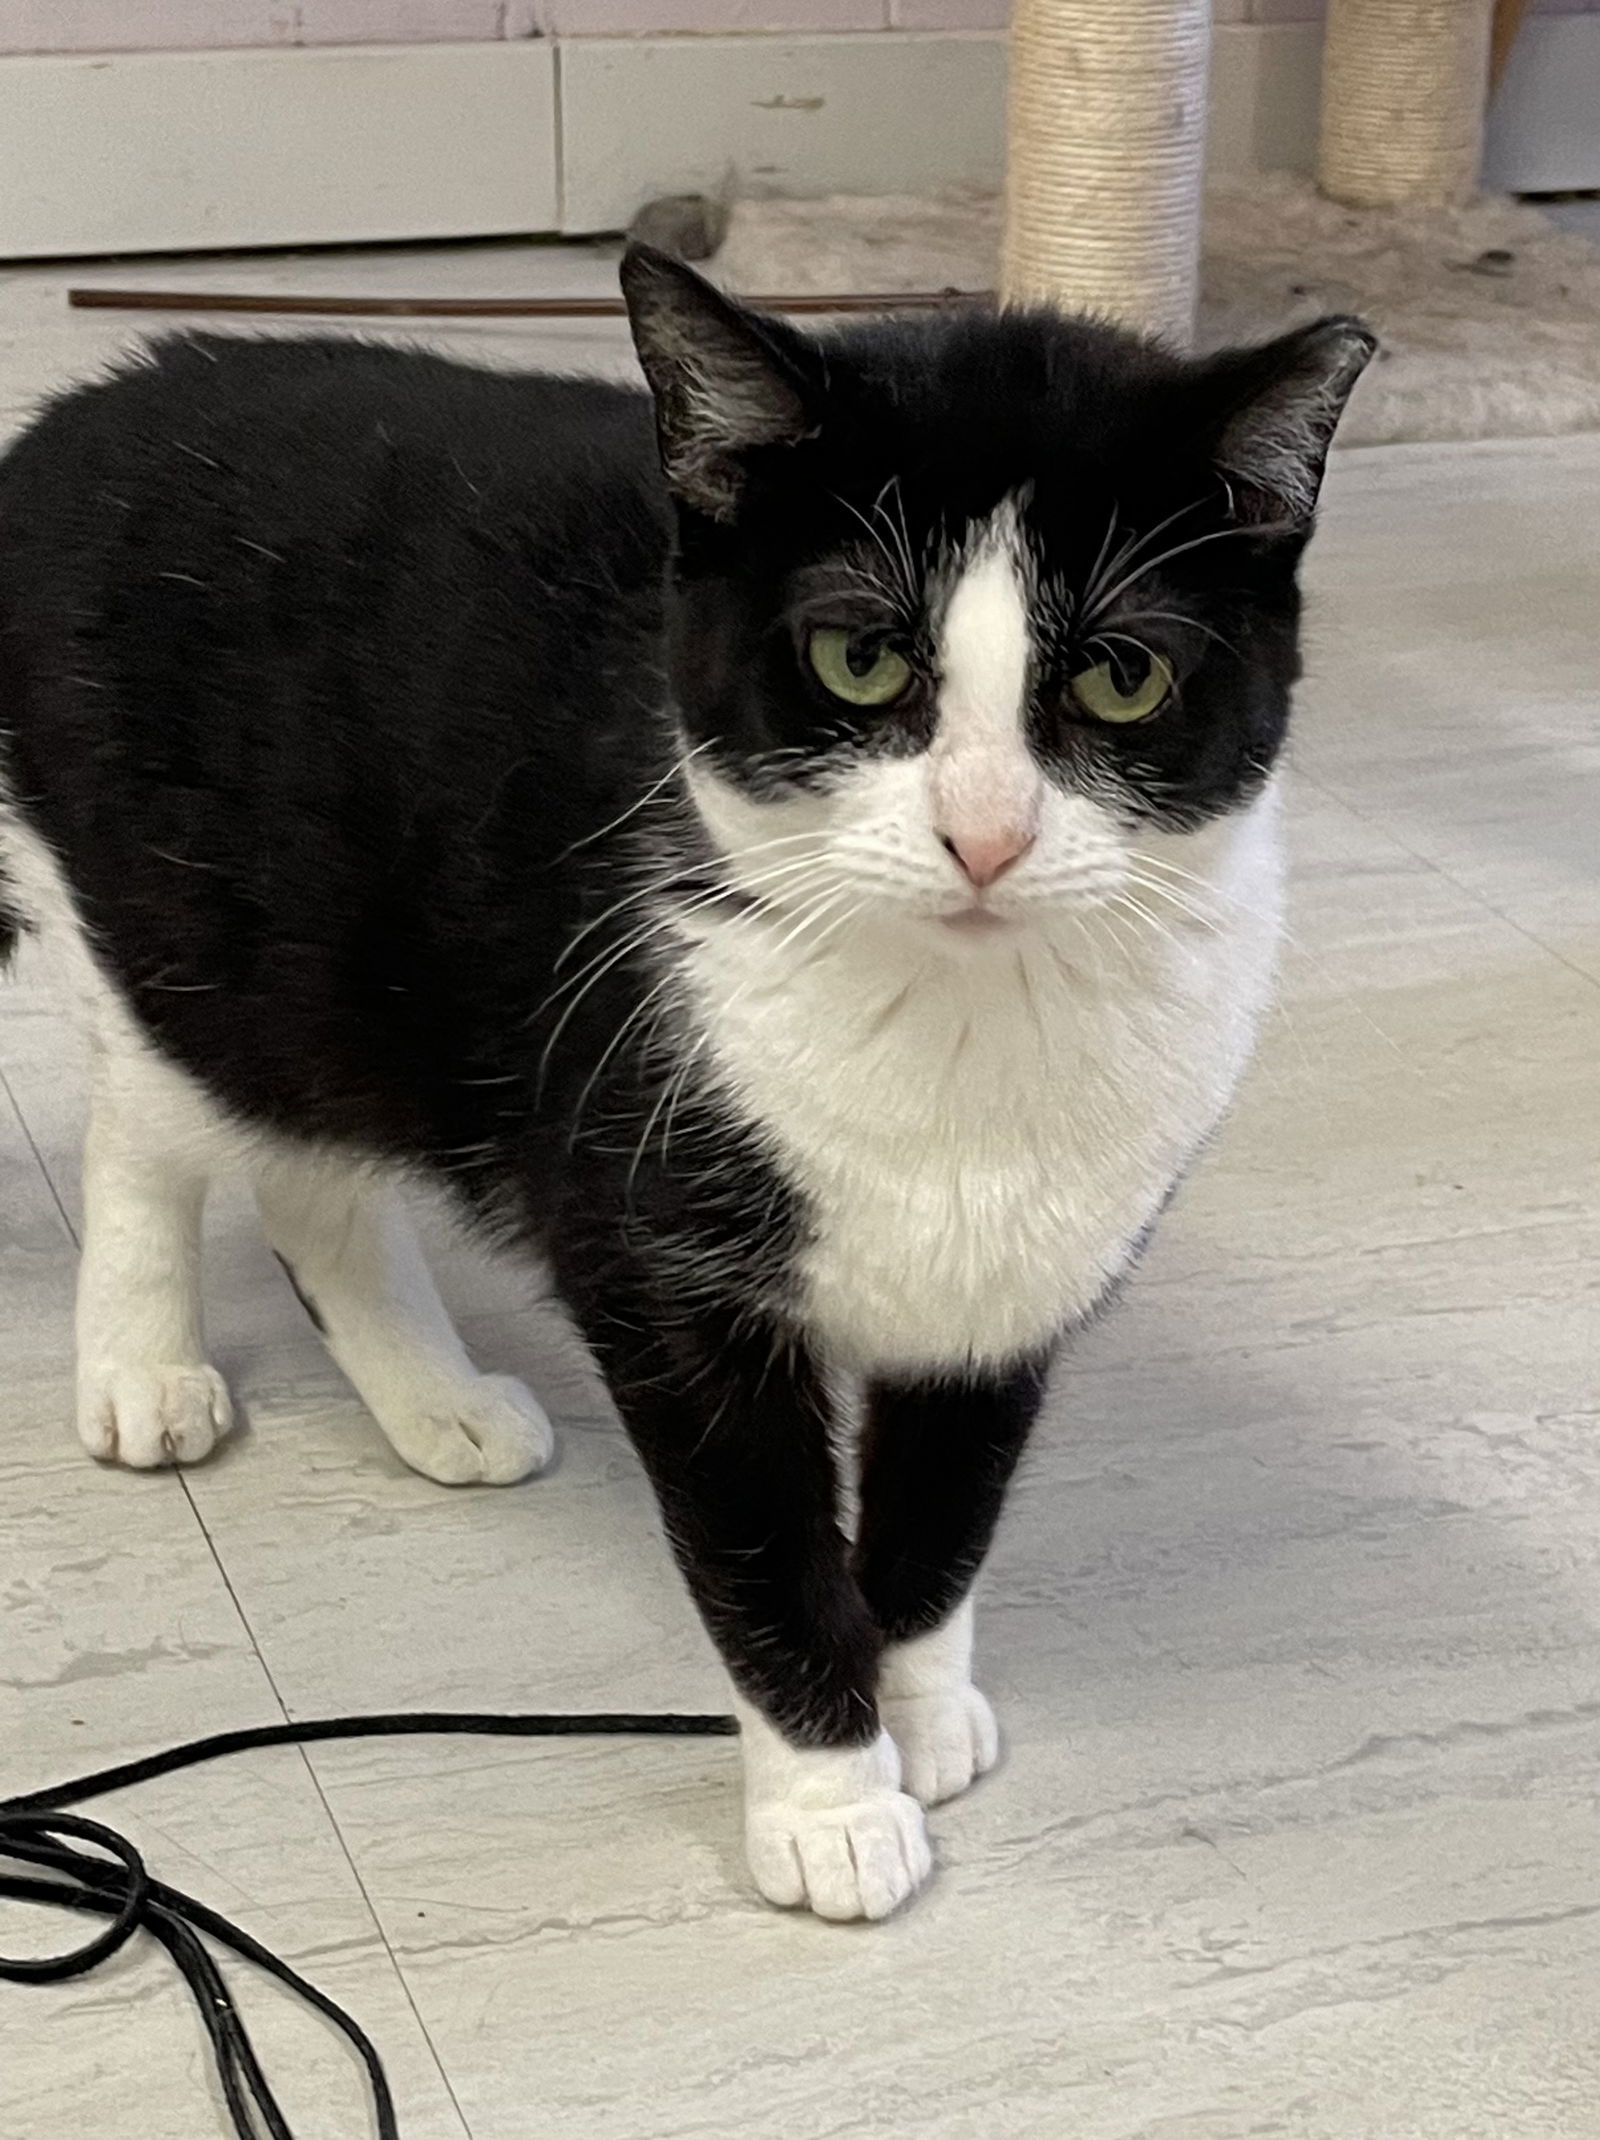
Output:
x,y
98,1873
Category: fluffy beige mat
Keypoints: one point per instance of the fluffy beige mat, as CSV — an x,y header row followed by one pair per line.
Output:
x,y
1490,315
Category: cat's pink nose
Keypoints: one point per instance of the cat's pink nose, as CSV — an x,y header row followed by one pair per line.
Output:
x,y
982,857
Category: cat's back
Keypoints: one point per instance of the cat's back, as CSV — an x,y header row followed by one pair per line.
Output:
x,y
309,436
245,566
315,655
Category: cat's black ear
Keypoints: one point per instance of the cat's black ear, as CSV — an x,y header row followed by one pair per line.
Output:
x,y
1281,406
725,380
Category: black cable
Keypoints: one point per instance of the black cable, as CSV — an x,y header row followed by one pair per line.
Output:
x,y
97,1872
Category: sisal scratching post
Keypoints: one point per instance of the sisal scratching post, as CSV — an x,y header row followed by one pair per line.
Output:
x,y
1103,162
1403,90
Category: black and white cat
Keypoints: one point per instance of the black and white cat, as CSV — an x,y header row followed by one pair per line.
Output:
x,y
820,900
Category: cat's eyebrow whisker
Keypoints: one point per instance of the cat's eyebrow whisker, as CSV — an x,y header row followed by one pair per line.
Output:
x,y
1165,557
1128,552
1104,551
873,535
896,552
1104,638
1192,624
898,527
878,584
1120,558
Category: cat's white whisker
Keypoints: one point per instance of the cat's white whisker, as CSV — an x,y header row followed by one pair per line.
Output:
x,y
674,772
680,872
1166,557
1127,554
1102,637
1092,580
667,922
660,922
1185,622
1181,898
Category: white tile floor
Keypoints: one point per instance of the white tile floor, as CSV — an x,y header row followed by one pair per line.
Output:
x,y
1295,1627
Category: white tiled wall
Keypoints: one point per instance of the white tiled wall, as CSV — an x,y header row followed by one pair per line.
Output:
x,y
112,25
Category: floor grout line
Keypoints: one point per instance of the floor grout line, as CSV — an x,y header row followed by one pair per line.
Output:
x,y
33,1147
1480,900
332,1818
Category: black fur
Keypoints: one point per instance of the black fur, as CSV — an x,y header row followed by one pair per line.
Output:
x,y
937,1459
340,679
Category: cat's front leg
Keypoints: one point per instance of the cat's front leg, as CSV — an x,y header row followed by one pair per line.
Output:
x,y
937,1458
731,1423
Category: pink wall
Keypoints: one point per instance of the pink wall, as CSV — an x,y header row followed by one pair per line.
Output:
x,y
128,25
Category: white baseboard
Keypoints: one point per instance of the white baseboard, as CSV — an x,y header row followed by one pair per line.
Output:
x,y
156,151
166,151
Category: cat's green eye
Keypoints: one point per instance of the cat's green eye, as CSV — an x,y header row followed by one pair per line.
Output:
x,y
856,669
1113,691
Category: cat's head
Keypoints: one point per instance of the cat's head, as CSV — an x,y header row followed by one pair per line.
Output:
x,y
968,608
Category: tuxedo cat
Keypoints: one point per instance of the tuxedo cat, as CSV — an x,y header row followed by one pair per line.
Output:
x,y
796,850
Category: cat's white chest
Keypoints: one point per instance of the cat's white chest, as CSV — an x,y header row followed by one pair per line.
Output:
x,y
981,1143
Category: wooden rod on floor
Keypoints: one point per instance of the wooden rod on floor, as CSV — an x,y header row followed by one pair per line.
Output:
x,y
106,299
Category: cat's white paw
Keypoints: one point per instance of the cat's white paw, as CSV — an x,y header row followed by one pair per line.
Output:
x,y
147,1417
489,1431
946,1740
944,1728
844,1862
829,1827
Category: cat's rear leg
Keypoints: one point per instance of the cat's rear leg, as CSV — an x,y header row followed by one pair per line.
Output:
x,y
354,1259
147,1395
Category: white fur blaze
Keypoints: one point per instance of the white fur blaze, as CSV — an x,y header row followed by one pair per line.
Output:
x,y
987,790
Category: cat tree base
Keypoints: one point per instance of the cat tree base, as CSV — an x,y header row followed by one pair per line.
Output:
x,y
1403,90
